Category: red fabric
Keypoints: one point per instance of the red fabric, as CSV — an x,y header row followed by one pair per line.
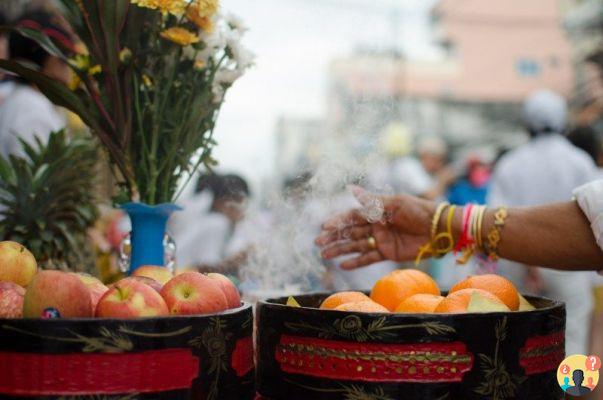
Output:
x,y
464,239
373,362
242,356
542,353
25,374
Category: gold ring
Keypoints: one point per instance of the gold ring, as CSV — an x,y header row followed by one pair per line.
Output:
x,y
372,242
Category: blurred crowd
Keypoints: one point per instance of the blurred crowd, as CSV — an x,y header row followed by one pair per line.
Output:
x,y
223,229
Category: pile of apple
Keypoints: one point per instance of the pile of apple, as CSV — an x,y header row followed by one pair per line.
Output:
x,y
151,291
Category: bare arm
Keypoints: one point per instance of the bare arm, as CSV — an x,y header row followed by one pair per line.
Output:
x,y
557,236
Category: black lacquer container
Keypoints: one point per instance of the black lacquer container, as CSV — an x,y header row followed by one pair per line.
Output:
x,y
305,353
206,357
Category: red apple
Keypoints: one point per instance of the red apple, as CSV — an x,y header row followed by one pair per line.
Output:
x,y
96,287
130,298
149,281
228,288
160,274
17,264
194,293
11,300
62,291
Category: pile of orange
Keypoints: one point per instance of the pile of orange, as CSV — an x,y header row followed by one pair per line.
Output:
x,y
412,291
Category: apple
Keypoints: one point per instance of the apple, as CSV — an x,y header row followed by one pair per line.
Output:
x,y
61,291
194,293
231,292
17,264
160,274
130,298
11,300
149,281
96,287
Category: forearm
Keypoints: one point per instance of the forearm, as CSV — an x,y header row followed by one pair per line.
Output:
x,y
556,235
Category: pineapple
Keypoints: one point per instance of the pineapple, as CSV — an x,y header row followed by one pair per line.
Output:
x,y
47,200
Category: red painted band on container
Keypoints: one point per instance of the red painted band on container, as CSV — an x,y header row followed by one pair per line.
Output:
x,y
242,356
543,353
28,374
374,362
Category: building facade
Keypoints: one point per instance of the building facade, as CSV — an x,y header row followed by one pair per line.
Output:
x,y
496,53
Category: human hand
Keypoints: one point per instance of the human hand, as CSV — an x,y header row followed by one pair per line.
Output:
x,y
398,226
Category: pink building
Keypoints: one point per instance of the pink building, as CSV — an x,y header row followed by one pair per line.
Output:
x,y
497,51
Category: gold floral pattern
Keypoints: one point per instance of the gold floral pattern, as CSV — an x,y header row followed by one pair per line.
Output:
x,y
107,342
498,383
214,339
349,392
351,328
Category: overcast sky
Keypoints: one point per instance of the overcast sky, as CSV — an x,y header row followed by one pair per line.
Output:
x,y
294,41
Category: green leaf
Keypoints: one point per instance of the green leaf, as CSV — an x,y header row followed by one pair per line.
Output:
x,y
43,40
113,16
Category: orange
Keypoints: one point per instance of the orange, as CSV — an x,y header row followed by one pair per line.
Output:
x,y
458,301
399,285
362,306
419,303
495,284
337,299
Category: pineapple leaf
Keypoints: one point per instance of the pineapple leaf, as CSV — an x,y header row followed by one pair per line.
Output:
x,y
47,200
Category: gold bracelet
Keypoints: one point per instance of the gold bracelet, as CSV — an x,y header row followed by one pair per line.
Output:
x,y
441,251
435,221
432,247
480,222
500,218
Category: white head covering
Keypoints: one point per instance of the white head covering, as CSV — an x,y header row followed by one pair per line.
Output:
x,y
432,145
545,111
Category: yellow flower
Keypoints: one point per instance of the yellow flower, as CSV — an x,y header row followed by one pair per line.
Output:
x,y
125,55
146,80
97,69
174,7
74,81
206,8
180,36
204,23
80,62
199,65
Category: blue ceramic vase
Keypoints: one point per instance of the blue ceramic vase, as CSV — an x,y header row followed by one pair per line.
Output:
x,y
148,230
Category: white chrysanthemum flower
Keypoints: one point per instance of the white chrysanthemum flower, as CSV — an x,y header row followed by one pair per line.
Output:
x,y
228,76
235,23
218,91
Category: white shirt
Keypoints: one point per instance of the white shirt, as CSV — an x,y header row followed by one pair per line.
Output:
x,y
25,114
545,170
590,200
404,175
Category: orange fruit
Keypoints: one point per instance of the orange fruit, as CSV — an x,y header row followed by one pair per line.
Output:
x,y
399,285
362,306
495,284
337,299
419,303
457,302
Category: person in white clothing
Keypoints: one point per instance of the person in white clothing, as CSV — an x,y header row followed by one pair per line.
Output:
x,y
546,170
210,244
25,112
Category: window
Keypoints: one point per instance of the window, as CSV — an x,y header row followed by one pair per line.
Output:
x,y
527,67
